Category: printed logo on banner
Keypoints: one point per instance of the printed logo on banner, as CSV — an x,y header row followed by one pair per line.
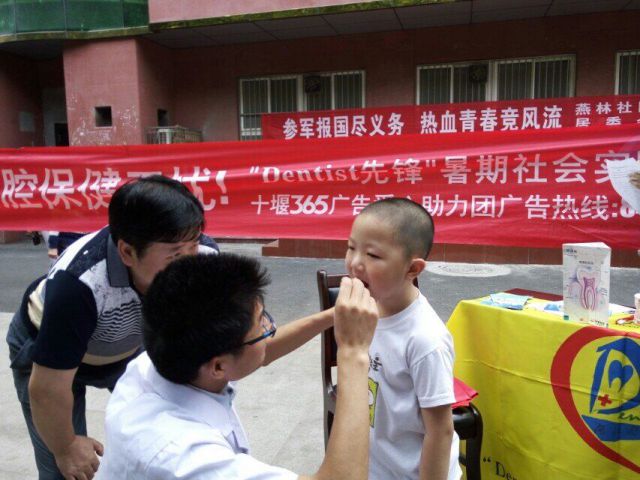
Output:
x,y
595,376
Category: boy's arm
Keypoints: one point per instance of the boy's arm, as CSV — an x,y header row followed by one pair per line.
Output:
x,y
297,333
436,447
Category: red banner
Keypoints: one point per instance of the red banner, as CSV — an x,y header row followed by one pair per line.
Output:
x,y
530,188
452,118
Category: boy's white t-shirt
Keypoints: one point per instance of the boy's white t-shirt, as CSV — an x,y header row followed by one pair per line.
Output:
x,y
411,367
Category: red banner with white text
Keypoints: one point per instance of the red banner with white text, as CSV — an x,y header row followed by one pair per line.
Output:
x,y
453,118
529,188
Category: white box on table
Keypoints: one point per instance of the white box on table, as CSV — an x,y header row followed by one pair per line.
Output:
x,y
586,274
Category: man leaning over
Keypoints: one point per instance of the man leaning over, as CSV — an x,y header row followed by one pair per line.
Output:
x,y
81,324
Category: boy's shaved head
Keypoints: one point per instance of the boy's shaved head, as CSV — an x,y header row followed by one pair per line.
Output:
x,y
411,223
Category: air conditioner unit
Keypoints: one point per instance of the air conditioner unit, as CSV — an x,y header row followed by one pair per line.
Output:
x,y
478,73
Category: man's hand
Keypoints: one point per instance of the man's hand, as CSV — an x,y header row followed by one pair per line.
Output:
x,y
634,179
356,315
79,460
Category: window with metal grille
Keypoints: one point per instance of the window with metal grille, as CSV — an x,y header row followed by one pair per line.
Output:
x,y
628,73
452,83
321,91
542,77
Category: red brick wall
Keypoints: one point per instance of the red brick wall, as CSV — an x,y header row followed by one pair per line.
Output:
x,y
103,73
206,86
156,85
172,10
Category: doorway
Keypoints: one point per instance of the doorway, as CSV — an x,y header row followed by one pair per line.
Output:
x,y
61,134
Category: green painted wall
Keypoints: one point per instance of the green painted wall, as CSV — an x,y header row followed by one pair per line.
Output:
x,y
33,16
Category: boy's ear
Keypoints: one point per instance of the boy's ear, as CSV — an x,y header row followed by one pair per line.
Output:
x,y
127,252
416,267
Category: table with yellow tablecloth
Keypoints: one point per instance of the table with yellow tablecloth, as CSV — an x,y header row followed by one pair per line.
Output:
x,y
559,399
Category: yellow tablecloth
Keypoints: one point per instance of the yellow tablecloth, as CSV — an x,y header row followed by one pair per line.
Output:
x,y
559,399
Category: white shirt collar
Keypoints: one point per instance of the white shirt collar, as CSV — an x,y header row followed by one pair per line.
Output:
x,y
214,409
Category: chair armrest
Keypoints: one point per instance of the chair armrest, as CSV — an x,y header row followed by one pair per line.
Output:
x,y
467,421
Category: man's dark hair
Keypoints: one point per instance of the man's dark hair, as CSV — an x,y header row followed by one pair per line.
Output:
x,y
412,225
154,209
200,307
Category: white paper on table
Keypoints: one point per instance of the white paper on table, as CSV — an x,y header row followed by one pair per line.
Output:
x,y
619,171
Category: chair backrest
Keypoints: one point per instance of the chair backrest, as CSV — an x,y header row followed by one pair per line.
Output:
x,y
328,287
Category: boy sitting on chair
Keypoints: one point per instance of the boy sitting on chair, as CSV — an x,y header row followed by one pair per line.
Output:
x,y
411,355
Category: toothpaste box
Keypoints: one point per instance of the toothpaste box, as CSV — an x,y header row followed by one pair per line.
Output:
x,y
586,274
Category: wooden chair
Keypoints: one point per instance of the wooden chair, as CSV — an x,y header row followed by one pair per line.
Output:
x,y
467,420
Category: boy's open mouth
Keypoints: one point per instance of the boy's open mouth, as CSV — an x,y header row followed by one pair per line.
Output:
x,y
365,283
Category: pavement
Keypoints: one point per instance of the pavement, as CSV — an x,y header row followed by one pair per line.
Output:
x,y
281,404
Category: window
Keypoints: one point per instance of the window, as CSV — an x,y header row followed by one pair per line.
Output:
x,y
544,77
541,77
452,83
163,117
103,117
265,95
293,93
628,73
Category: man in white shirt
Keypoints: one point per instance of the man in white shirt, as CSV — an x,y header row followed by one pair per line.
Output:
x,y
205,326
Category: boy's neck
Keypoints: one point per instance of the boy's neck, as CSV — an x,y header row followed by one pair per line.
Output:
x,y
397,303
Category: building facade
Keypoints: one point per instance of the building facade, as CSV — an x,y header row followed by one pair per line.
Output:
x,y
107,73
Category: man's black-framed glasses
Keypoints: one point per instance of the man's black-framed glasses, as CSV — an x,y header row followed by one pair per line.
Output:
x,y
268,324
